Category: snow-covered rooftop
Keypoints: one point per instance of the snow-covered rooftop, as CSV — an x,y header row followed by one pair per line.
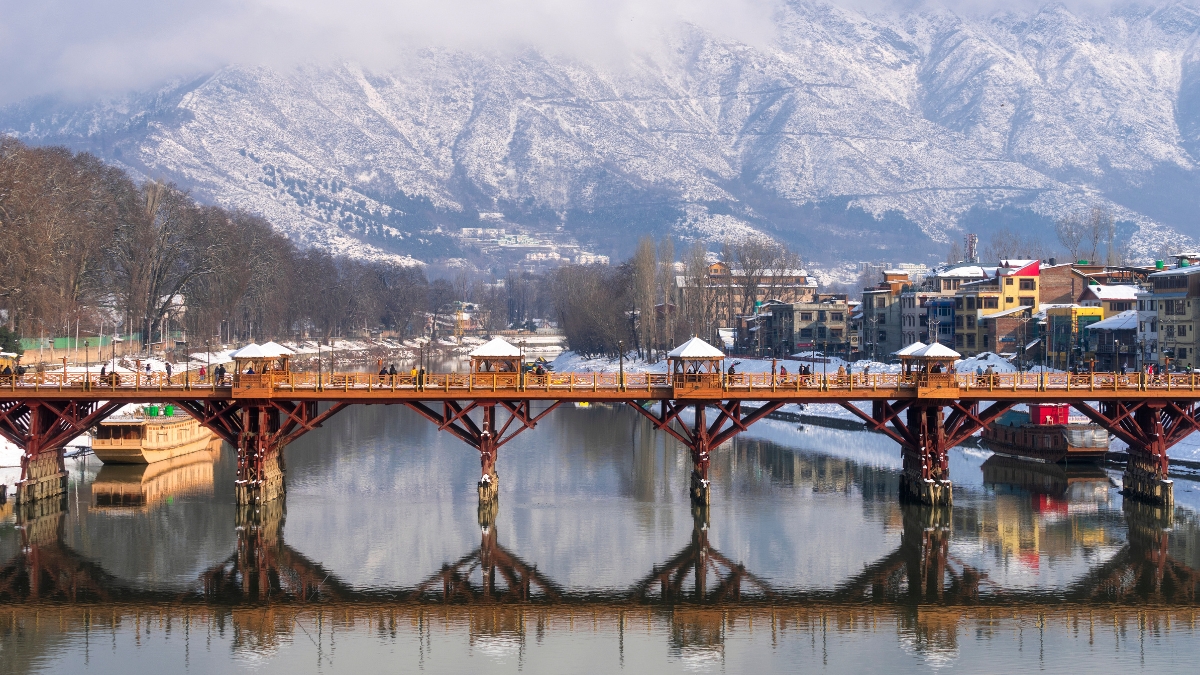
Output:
x,y
905,351
253,351
1113,292
696,348
279,349
497,348
1127,320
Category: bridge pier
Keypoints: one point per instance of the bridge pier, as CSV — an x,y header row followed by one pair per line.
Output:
x,y
486,435
42,429
702,437
1150,428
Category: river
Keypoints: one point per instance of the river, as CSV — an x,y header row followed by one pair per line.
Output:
x,y
377,561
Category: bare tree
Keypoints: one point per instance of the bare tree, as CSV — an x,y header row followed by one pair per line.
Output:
x,y
1101,228
699,298
1070,230
955,254
645,282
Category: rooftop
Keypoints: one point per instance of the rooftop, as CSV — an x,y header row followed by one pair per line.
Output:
x,y
1127,320
696,348
1112,292
496,348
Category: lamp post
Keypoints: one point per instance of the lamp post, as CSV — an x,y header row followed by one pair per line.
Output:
x,y
87,361
621,357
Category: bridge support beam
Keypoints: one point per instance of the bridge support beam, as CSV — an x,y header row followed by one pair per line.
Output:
x,y
485,435
702,437
925,434
260,430
42,429
1150,428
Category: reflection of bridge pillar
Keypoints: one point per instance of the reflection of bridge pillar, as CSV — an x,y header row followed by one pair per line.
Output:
x,y
925,478
924,544
260,469
259,538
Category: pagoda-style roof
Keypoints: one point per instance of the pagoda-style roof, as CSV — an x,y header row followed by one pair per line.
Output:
x,y
498,348
935,351
253,351
908,351
696,348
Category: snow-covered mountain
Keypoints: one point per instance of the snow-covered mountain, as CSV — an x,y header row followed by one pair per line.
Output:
x,y
854,136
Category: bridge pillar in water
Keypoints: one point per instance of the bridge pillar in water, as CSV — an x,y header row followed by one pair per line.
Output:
x,y
489,481
42,430
925,477
260,468
1145,477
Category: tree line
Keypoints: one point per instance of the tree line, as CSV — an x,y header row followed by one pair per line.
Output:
x,y
82,245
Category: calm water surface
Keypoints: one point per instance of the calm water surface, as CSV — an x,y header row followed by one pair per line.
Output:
x,y
595,562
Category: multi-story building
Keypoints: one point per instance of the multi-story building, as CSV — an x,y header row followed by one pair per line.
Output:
x,y
914,313
727,289
1014,285
1147,330
1113,299
823,323
1176,293
1112,341
940,320
1065,326
881,325
1011,331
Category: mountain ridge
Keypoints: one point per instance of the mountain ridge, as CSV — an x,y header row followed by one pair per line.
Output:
x,y
858,136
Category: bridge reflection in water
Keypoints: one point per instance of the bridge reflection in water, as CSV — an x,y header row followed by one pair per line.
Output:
x,y
267,591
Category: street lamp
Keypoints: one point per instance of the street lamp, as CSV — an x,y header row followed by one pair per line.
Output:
x,y
621,356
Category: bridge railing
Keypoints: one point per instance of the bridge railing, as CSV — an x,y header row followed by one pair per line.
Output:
x,y
597,381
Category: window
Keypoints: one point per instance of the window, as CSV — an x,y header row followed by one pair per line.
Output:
x,y
835,316
1174,307
1181,353
1141,306
958,321
883,336
1008,281
1120,306
1008,299
1028,285
1169,282
989,303
970,322
1027,301
1152,304
835,333
805,332
806,316
880,303
958,303
970,339
821,333
958,340
1182,331
970,303
1170,332
821,315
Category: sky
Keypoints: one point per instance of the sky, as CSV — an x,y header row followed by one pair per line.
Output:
x,y
84,48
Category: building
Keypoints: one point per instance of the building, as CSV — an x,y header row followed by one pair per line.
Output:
x,y
1113,299
1174,291
1113,341
1147,335
822,324
881,327
940,320
727,287
914,315
1065,326
1014,285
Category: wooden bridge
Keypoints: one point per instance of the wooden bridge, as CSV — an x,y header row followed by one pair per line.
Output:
x,y
925,408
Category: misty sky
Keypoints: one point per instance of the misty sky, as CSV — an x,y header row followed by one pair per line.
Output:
x,y
92,47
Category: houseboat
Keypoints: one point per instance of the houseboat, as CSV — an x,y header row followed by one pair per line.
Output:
x,y
143,486
148,434
1045,433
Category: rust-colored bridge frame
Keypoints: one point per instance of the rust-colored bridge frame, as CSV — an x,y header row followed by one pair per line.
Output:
x,y
926,413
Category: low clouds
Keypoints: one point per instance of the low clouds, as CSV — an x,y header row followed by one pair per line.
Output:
x,y
90,47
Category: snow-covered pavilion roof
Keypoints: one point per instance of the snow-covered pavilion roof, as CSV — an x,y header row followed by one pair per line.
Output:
x,y
496,348
278,348
936,350
905,351
253,351
696,348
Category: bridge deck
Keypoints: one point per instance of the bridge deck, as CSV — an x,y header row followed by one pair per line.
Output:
x,y
608,386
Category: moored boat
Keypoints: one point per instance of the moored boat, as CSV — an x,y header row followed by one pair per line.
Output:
x,y
1046,433
144,435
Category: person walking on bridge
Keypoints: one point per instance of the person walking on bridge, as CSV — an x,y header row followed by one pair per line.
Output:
x,y
168,368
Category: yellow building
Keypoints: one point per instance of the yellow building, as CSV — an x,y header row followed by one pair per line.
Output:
x,y
1064,332
1013,286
